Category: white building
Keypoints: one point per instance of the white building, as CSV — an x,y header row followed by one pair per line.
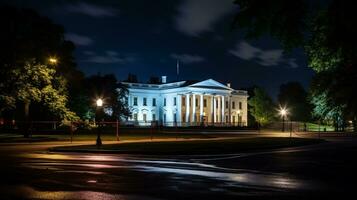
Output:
x,y
187,103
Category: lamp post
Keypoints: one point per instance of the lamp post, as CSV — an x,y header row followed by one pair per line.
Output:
x,y
99,103
283,113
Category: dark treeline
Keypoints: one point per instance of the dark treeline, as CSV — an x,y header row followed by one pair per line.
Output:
x,y
327,33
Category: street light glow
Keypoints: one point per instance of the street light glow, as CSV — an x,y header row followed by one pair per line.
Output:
x,y
99,102
283,112
52,60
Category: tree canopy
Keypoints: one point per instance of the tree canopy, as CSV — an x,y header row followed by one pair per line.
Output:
x,y
107,88
262,107
28,40
325,30
293,96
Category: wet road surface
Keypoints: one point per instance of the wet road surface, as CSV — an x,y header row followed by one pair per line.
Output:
x,y
30,172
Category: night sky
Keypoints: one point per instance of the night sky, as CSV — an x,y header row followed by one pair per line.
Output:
x,y
147,38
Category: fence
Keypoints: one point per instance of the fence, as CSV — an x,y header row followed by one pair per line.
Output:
x,y
110,127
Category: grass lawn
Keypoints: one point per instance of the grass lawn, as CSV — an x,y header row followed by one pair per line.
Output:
x,y
315,127
213,146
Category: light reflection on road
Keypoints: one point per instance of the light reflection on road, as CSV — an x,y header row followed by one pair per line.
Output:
x,y
183,168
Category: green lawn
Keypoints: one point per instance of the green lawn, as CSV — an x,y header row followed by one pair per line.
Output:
x,y
315,127
196,146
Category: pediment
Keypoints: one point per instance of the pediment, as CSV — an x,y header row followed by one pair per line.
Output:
x,y
210,83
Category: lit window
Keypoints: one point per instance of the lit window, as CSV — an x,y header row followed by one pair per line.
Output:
x,y
144,101
135,103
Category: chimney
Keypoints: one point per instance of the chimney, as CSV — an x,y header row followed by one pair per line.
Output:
x,y
229,85
163,79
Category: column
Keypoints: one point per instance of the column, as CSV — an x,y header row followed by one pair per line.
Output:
x,y
193,108
229,109
214,109
201,108
222,109
187,108
179,109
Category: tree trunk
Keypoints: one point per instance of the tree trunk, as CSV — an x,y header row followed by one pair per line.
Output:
x,y
26,119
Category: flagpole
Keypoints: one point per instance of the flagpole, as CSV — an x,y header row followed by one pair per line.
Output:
x,y
177,69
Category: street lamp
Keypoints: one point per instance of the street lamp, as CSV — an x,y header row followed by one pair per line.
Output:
x,y
99,103
53,60
283,112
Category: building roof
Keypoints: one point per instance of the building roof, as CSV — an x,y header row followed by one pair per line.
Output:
x,y
205,84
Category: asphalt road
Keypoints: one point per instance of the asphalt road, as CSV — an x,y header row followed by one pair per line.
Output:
x,y
28,171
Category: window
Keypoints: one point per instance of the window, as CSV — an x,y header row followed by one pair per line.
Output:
x,y
216,104
153,102
234,119
226,104
164,101
227,118
144,101
190,102
240,105
205,103
164,118
175,118
153,117
135,103
135,116
233,105
196,102
174,101
144,117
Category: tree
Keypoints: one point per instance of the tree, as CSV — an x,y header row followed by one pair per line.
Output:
x,y
132,78
27,78
113,93
154,80
262,107
326,30
293,96
38,83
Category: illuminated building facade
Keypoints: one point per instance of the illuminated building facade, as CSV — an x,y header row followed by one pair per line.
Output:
x,y
187,103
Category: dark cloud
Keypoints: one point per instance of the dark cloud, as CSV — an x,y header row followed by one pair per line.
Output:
x,y
91,9
267,57
109,57
187,58
198,16
79,40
